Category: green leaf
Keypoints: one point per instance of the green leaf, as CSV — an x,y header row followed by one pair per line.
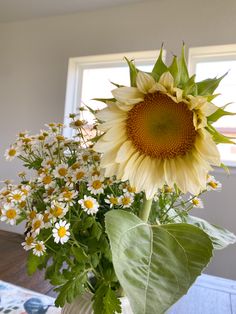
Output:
x,y
79,254
220,237
174,70
106,301
111,303
183,70
117,85
133,71
156,265
218,114
208,86
190,88
218,137
159,67
71,289
33,263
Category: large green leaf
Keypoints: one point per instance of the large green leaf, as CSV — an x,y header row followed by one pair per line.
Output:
x,y
155,265
220,237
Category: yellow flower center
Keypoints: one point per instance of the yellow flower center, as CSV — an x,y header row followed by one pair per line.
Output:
x,y
57,211
68,194
88,204
61,232
79,175
37,224
113,200
11,213
32,214
195,201
126,200
29,240
213,184
39,247
161,128
47,179
96,184
12,152
62,172
16,197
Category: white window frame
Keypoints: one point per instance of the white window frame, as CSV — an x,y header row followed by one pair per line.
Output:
x,y
77,65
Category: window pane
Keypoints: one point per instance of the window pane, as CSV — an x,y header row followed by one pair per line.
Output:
x,y
97,84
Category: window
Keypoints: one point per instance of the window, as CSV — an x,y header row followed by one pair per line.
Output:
x,y
214,61
91,77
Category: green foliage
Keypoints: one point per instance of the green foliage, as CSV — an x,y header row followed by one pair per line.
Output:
x,y
174,70
34,262
133,71
208,86
218,114
159,67
218,137
220,237
106,301
183,70
163,258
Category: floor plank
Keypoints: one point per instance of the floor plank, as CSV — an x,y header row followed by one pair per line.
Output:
x,y
13,265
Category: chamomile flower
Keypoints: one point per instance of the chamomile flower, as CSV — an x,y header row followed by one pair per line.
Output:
x,y
126,200
95,186
29,241
197,202
112,200
68,196
17,196
61,171
129,189
79,174
61,232
39,248
89,205
10,214
31,214
213,184
46,179
25,189
11,153
37,223
58,210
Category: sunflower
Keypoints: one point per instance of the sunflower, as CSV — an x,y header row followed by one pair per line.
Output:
x,y
158,131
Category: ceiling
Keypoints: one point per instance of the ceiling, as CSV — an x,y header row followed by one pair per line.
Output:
x,y
16,10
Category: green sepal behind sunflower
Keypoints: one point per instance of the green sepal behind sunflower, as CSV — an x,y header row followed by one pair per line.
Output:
x,y
208,86
218,137
174,70
218,114
190,88
183,69
159,67
133,71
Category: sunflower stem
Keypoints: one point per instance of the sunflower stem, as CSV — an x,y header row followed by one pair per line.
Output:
x,y
146,209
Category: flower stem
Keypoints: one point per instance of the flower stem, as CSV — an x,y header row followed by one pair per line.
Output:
x,y
145,211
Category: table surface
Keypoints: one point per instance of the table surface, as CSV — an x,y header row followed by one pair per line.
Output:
x,y
209,295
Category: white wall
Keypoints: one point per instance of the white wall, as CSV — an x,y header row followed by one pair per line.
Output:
x,y
33,69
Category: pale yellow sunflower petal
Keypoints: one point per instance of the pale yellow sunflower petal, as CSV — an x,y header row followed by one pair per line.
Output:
x,y
110,113
158,88
125,152
145,82
208,109
109,156
167,80
128,95
115,133
129,167
207,148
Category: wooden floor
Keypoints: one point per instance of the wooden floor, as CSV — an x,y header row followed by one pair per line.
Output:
x,y
13,265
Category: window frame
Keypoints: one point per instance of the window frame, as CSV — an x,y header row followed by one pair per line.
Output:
x,y
77,65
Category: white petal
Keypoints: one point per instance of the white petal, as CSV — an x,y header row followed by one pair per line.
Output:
x,y
125,151
128,95
208,108
115,133
144,82
167,80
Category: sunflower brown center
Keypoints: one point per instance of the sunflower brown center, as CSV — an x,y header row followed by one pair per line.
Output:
x,y
161,128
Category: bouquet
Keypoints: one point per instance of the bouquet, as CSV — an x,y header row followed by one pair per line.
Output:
x,y
108,211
